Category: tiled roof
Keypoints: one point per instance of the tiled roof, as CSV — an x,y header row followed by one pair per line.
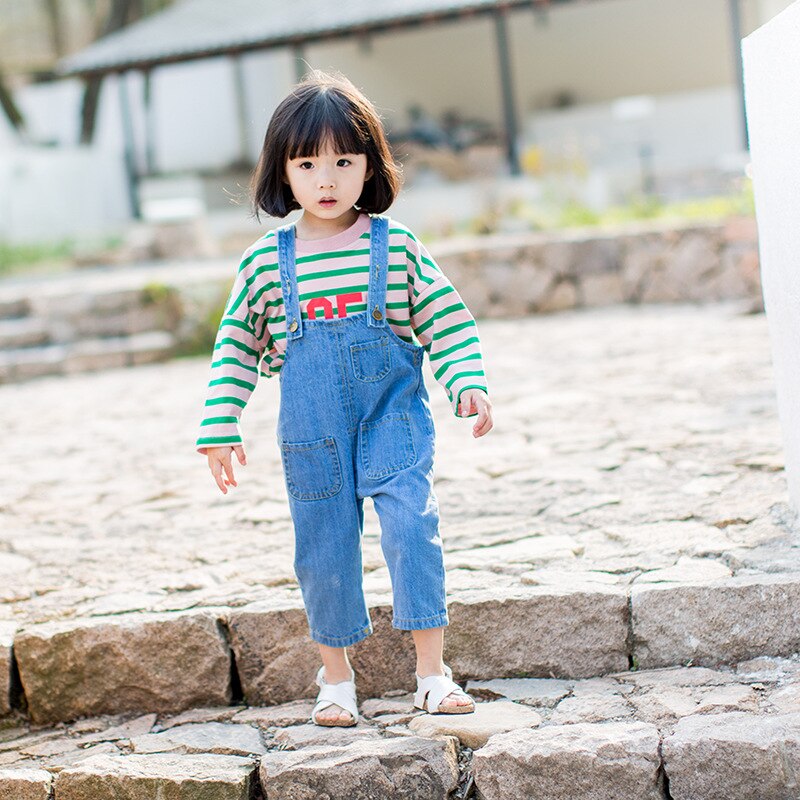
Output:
x,y
196,28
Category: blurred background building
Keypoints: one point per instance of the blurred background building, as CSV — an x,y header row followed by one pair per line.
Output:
x,y
117,110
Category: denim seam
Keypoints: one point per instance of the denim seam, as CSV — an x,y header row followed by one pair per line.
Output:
x,y
360,633
411,620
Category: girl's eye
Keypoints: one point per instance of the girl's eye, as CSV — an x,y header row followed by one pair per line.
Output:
x,y
303,163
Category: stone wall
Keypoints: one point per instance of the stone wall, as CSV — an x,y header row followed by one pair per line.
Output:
x,y
510,275
100,318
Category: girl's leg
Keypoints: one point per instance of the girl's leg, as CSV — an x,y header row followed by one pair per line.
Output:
x,y
430,644
337,669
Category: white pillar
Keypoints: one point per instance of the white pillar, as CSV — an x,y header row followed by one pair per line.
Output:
x,y
772,95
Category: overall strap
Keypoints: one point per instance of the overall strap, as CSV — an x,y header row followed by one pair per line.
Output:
x,y
291,294
378,270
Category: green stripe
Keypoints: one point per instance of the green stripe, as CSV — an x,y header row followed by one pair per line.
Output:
x,y
218,420
237,344
342,290
226,400
431,297
455,348
438,373
235,361
263,250
235,322
441,314
328,273
236,303
478,373
233,382
218,440
312,257
453,329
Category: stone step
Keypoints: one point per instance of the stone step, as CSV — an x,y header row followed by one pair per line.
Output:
x,y
682,733
168,661
12,307
23,332
85,355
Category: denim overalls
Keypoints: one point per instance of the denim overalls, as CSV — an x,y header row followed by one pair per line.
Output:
x,y
355,422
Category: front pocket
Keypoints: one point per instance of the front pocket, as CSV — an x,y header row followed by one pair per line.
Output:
x,y
387,445
312,469
371,360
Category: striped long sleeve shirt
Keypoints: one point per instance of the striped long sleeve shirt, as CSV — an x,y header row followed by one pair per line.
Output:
x,y
333,280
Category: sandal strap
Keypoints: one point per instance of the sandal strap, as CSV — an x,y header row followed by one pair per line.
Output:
x,y
343,694
437,687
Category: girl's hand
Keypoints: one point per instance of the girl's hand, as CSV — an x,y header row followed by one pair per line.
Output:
x,y
219,459
477,400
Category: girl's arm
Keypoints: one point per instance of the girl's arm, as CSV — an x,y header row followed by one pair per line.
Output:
x,y
234,365
444,327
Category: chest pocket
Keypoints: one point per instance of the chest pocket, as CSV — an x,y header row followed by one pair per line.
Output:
x,y
372,361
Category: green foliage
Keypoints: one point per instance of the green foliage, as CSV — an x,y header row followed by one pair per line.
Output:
x,y
205,334
22,257
154,293
50,257
554,213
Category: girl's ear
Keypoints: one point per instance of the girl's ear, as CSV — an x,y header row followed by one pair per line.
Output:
x,y
368,174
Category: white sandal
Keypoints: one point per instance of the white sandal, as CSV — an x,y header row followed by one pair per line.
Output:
x,y
433,689
343,694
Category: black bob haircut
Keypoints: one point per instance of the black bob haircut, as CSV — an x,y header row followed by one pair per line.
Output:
x,y
322,107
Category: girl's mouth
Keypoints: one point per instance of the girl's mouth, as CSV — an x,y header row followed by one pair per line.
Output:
x,y
327,203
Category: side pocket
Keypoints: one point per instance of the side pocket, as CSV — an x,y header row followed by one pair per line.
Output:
x,y
387,445
311,469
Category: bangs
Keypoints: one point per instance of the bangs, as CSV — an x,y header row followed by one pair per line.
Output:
x,y
324,119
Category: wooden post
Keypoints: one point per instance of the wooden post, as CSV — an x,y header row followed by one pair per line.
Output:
x,y
735,15
241,106
150,124
506,85
130,145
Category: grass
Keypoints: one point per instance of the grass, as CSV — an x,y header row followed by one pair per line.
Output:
x,y
551,215
49,257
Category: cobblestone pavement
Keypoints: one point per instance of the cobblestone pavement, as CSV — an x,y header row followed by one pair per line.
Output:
x,y
631,444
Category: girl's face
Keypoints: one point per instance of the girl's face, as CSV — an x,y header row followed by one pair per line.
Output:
x,y
339,176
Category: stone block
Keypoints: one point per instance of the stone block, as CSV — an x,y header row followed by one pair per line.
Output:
x,y
144,777
25,783
400,768
715,622
473,730
736,755
7,630
125,662
538,631
277,661
585,761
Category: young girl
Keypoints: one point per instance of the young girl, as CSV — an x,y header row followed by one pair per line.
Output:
x,y
329,304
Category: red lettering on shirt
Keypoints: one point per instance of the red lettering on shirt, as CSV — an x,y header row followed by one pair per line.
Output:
x,y
343,299
319,302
